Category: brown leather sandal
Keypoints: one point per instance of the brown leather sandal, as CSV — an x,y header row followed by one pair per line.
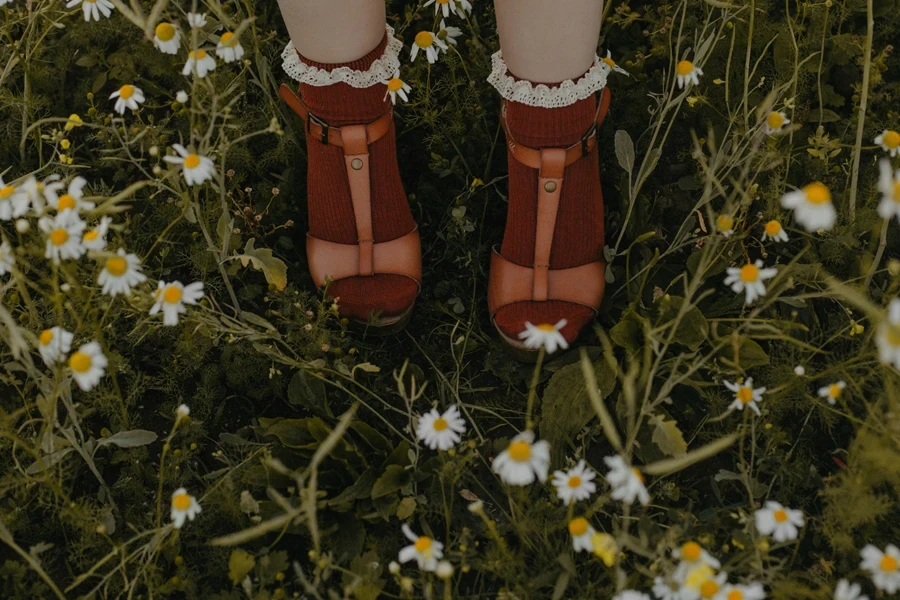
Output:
x,y
331,261
509,282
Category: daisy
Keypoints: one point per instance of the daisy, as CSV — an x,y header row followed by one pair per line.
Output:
x,y
120,273
63,236
14,201
581,532
73,199
687,73
575,484
775,122
424,550
167,38
627,482
779,522
196,20
441,431
88,366
750,591
429,44
691,555
184,506
523,460
631,595
888,339
170,298
448,34
884,566
749,279
95,239
93,8
847,591
812,206
832,392
605,548
396,87
745,395
725,224
44,192
889,140
464,6
54,344
544,335
889,186
665,589
612,64
702,582
196,167
444,6
229,48
7,259
128,96
774,231
199,62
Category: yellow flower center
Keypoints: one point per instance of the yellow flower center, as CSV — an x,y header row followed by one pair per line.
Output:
x,y
126,91
745,395
59,237
440,424
91,235
80,362
165,32
198,55
574,481
578,526
891,139
817,193
893,335
735,595
775,120
65,201
443,1
709,589
181,502
773,227
422,544
192,161
609,61
691,551
546,327
395,84
424,39
117,266
685,67
834,390
46,337
520,451
172,294
780,515
638,474
228,39
749,273
725,223
7,191
888,563
697,577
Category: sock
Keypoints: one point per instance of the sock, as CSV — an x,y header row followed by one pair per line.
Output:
x,y
328,192
578,238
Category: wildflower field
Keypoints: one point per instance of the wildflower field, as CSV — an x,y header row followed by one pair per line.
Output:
x,y
183,415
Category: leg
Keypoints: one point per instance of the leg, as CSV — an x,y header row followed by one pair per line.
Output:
x,y
334,31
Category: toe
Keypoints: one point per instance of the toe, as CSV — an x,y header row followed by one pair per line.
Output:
x,y
384,294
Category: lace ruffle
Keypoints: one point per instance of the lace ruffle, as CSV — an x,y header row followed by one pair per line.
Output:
x,y
381,70
563,94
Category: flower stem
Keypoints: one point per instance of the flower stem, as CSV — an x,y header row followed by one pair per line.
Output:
x,y
532,392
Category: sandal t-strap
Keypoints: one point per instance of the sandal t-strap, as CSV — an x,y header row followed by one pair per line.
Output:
x,y
510,282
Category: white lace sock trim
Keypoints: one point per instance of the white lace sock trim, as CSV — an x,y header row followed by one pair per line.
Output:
x,y
381,70
563,94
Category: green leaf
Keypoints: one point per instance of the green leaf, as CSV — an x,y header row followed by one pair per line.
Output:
x,y
624,150
262,260
372,437
693,328
406,508
309,392
750,354
667,437
239,565
361,488
394,478
304,434
627,334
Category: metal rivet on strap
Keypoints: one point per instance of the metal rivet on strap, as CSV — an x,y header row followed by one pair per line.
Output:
x,y
357,164
550,186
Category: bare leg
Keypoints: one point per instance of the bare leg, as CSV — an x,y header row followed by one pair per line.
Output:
x,y
334,31
548,41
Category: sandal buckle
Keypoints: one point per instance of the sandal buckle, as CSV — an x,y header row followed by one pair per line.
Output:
x,y
325,127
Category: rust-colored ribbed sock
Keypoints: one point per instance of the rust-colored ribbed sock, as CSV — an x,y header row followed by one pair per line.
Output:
x,y
578,238
328,191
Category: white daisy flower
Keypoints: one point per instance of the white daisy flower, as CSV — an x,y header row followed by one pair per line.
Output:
x,y
196,20
608,60
702,582
686,73
848,591
544,335
184,506
523,460
812,206
54,344
93,8
464,6
627,482
448,34
749,279
229,48
832,391
167,38
200,63
95,239
397,87
443,6
725,224
779,522
63,236
889,186
575,484
884,566
775,122
582,533
666,589
128,96
745,395
749,591
441,431
7,258
424,550
73,199
170,298
196,167
429,44
181,96
775,232
631,595
888,338
182,411
42,193
691,555
14,201
889,140
120,273
88,365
